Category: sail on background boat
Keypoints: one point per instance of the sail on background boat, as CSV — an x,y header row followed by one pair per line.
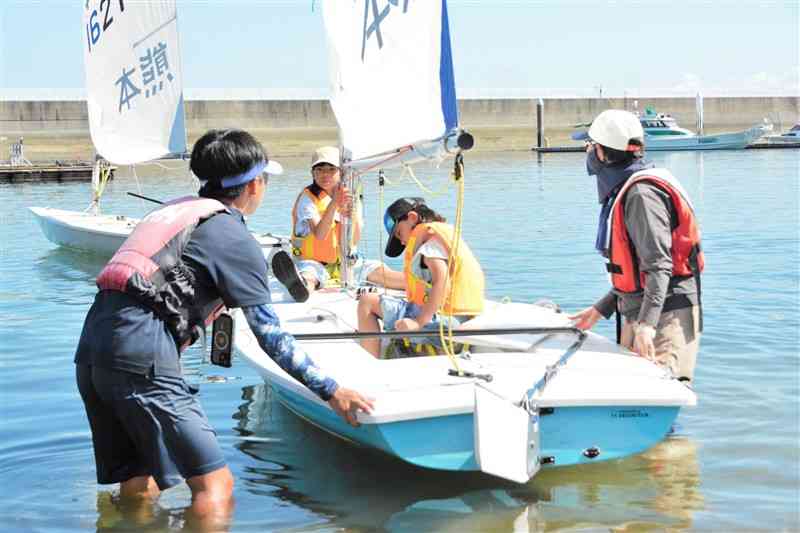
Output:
x,y
391,73
134,85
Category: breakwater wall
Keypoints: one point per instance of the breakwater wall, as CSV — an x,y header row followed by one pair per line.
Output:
x,y
500,123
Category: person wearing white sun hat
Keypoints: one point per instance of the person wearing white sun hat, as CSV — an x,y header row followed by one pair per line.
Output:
x,y
317,217
650,236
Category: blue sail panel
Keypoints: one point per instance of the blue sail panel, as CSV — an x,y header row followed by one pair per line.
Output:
x,y
177,135
446,77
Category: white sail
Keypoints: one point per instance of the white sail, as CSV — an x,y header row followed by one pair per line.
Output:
x,y
134,86
391,73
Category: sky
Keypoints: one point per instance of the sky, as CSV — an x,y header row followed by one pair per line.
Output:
x,y
500,47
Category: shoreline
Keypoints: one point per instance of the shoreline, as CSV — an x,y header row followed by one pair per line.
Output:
x,y
288,128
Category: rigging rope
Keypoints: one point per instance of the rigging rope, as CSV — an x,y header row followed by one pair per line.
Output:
x,y
448,341
100,177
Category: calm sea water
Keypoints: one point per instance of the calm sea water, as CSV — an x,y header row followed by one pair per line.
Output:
x,y
731,465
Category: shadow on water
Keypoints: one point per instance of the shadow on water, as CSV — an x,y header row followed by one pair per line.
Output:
x,y
65,264
357,489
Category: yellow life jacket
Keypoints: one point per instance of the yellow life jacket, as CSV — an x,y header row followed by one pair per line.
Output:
x,y
466,295
309,247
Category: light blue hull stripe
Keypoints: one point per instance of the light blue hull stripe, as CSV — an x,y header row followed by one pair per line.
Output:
x,y
446,443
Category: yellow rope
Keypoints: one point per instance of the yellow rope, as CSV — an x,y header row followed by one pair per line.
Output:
x,y
430,193
448,342
104,174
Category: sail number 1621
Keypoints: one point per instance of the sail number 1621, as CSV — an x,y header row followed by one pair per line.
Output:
x,y
101,20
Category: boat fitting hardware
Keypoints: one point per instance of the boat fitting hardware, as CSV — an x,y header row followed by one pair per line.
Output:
x,y
591,453
467,374
547,460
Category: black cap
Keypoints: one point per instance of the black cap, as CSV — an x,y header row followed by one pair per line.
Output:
x,y
394,213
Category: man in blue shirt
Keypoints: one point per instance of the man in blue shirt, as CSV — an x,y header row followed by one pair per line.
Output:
x,y
189,257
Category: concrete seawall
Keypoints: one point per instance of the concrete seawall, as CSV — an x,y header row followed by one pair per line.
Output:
x,y
296,126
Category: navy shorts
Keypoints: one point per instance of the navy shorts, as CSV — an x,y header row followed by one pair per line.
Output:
x,y
146,425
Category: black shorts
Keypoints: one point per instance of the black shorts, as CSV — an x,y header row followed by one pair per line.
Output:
x,y
146,425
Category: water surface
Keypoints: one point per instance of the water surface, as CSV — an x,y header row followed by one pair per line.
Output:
x,y
732,463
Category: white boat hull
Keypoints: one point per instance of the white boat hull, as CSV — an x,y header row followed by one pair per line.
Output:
x,y
100,234
603,404
723,141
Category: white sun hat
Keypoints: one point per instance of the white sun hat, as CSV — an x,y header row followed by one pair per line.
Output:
x,y
616,129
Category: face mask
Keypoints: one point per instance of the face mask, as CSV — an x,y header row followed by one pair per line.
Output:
x,y
593,164
610,177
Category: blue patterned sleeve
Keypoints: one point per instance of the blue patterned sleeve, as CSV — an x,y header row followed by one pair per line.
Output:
x,y
284,350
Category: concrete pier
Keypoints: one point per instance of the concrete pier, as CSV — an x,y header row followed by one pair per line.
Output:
x,y
60,129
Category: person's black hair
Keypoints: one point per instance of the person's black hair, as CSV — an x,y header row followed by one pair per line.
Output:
x,y
620,157
314,188
223,153
426,214
213,189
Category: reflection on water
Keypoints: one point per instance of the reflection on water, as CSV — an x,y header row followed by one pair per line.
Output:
x,y
355,488
293,477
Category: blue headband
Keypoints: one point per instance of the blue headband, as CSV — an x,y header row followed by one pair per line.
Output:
x,y
250,175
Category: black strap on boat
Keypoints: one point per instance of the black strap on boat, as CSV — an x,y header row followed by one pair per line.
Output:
x,y
695,267
613,268
357,335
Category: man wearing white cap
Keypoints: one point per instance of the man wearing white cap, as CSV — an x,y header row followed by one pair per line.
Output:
x,y
317,218
183,264
650,236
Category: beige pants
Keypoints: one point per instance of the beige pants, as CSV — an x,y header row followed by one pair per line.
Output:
x,y
677,340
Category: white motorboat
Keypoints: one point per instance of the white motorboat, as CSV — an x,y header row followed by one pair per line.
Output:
x,y
662,133
790,137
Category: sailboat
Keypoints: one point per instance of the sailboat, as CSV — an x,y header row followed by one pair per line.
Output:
x,y
134,98
531,391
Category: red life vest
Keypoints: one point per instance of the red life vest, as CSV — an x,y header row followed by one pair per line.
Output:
x,y
148,266
687,257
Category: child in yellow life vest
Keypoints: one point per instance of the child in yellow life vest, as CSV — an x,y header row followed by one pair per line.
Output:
x,y
438,290
317,231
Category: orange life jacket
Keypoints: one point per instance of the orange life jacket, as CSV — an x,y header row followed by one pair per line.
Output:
x,y
466,297
687,257
309,247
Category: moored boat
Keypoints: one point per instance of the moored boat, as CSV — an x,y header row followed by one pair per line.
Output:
x,y
662,133
790,137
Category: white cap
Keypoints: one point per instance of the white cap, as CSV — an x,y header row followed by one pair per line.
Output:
x,y
616,128
325,154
